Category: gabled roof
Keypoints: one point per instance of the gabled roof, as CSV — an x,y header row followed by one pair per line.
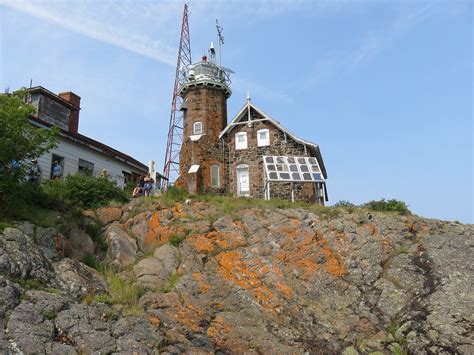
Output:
x,y
242,114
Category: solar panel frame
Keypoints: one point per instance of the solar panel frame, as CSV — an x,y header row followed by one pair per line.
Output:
x,y
292,169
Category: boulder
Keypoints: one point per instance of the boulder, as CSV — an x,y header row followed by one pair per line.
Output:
x,y
21,258
46,239
29,328
150,273
87,327
107,215
78,279
9,296
168,256
81,243
122,249
135,335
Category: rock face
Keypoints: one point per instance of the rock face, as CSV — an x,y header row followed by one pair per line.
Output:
x,y
255,281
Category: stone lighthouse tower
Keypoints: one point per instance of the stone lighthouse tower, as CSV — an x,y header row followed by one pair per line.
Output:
x,y
201,159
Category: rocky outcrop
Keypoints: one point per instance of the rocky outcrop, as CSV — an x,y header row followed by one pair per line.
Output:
x,y
267,281
122,249
153,273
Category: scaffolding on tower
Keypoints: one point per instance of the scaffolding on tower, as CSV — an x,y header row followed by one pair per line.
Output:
x,y
175,132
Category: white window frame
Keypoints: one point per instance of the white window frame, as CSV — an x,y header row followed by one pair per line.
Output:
x,y
241,145
240,192
197,130
263,142
215,166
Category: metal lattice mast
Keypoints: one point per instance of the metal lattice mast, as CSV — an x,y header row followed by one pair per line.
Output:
x,y
175,132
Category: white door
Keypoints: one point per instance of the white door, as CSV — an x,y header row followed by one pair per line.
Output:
x,y
243,185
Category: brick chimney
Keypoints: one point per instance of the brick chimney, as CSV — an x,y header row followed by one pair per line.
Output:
x,y
76,101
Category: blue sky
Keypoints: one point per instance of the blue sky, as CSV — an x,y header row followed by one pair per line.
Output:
x,y
384,87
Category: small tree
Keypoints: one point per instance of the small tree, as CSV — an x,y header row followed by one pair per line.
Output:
x,y
20,141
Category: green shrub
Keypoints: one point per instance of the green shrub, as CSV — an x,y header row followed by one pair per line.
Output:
x,y
20,142
84,191
348,206
388,206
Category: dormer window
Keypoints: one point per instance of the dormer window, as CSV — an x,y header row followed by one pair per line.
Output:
x,y
197,128
241,140
263,137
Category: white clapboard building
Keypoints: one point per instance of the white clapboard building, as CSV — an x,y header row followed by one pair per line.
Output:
x,y
75,152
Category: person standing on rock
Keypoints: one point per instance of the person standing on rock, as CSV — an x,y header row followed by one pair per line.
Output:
x,y
148,184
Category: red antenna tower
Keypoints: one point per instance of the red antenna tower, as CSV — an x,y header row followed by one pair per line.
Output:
x,y
175,132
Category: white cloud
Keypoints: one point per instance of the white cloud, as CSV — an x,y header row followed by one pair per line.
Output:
x,y
106,22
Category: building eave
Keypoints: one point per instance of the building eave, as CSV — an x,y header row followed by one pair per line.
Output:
x,y
52,95
277,124
95,145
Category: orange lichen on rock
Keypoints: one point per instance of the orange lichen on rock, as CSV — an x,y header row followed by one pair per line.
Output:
x,y
311,253
63,245
209,242
156,232
234,269
106,215
154,320
366,229
284,289
291,228
204,287
189,316
219,331
178,210
333,265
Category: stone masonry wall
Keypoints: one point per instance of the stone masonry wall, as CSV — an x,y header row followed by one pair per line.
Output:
x,y
209,106
253,157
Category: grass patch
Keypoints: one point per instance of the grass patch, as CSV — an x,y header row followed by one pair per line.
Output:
x,y
49,314
230,206
176,239
170,283
35,284
398,350
103,298
4,225
125,293
403,249
173,195
93,262
93,230
30,284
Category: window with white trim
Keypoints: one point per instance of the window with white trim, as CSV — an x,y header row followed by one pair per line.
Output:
x,y
241,140
263,137
215,175
197,128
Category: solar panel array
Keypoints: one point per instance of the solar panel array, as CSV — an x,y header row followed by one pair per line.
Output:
x,y
295,169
